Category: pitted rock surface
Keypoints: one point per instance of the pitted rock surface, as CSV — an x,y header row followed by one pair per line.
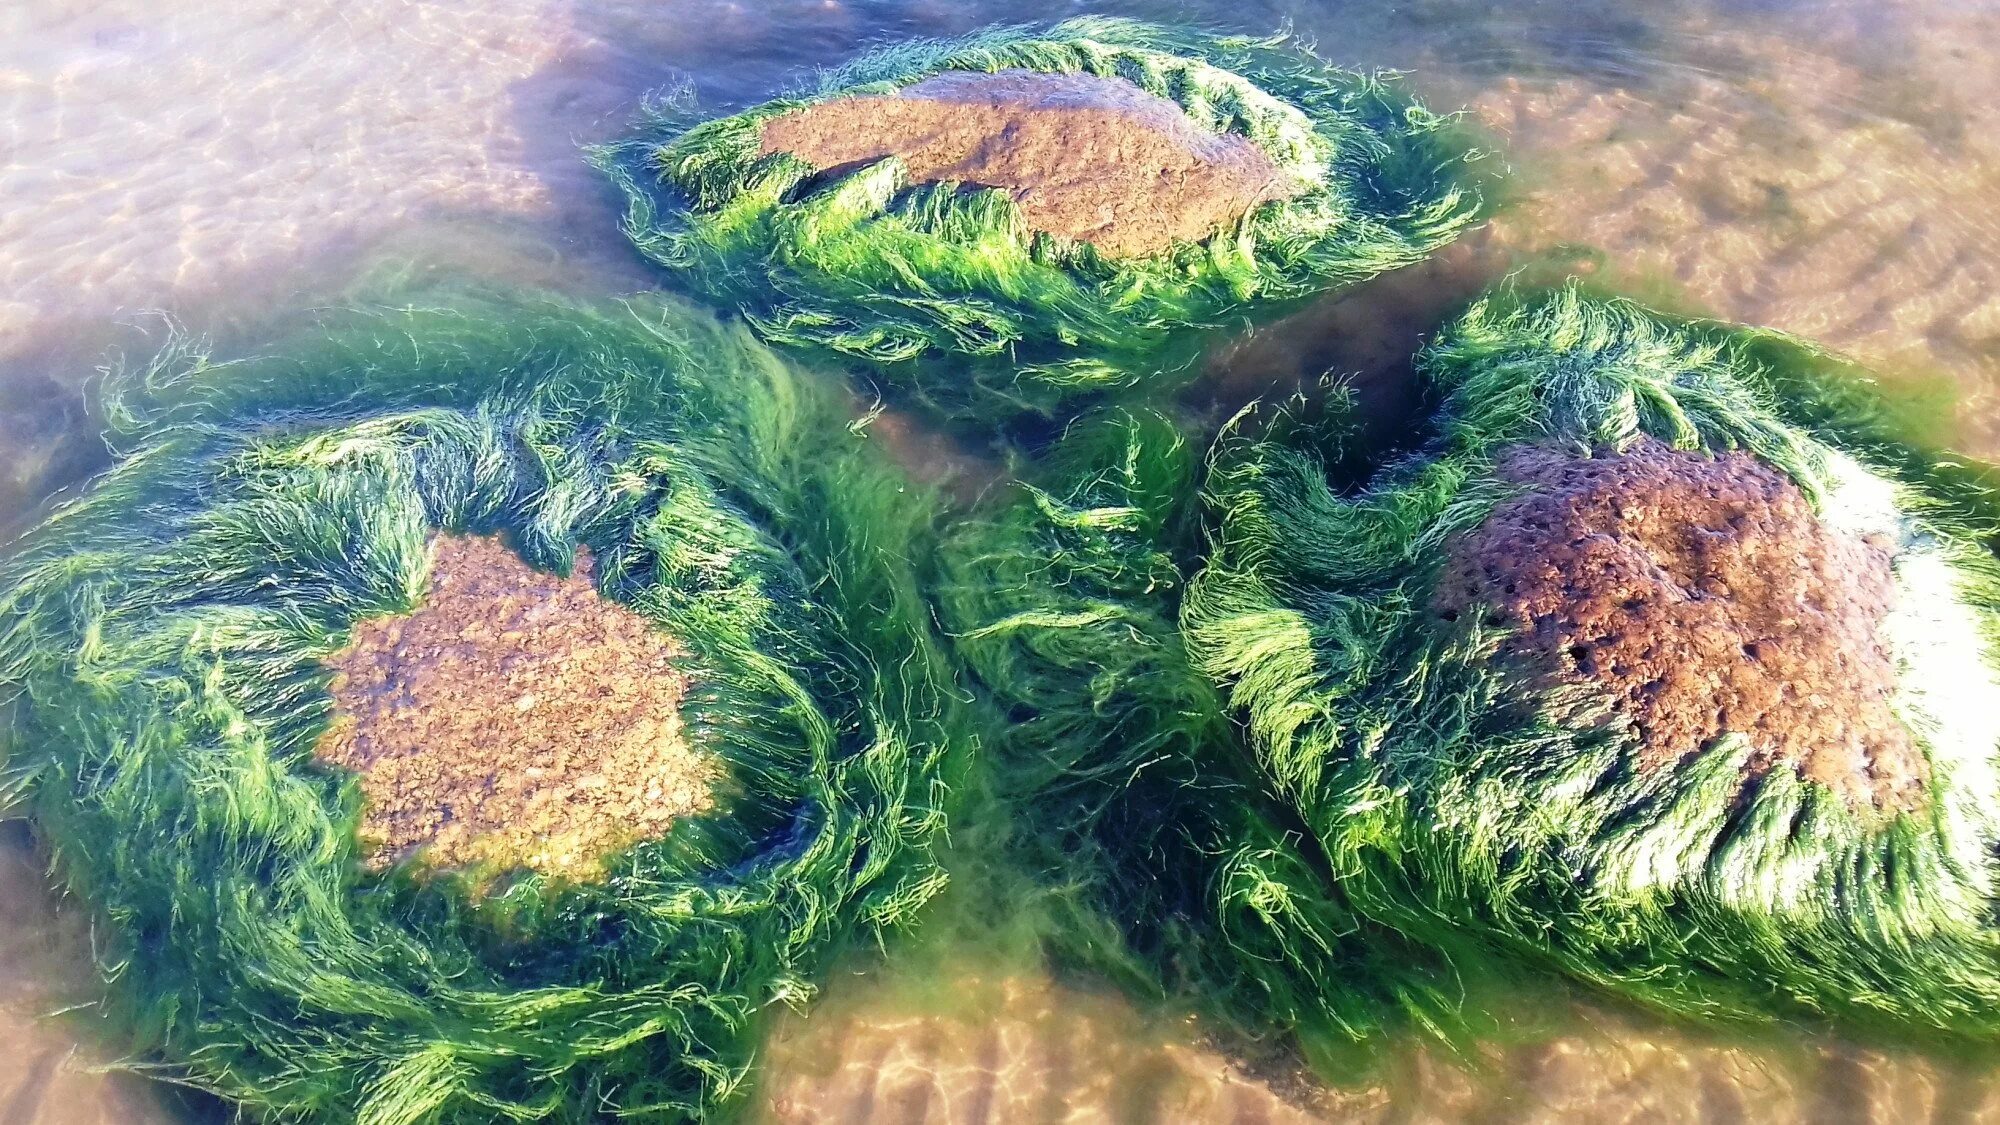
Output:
x,y
1095,159
1705,596
515,718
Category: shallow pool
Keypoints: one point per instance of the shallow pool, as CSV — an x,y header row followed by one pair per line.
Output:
x,y
1828,167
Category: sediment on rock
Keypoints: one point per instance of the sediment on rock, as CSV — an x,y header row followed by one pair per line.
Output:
x,y
516,717
1094,159
1705,596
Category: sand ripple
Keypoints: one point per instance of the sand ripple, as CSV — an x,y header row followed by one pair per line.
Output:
x,y
153,151
1859,206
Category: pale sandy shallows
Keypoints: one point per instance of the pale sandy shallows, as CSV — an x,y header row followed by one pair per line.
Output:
x,y
1858,206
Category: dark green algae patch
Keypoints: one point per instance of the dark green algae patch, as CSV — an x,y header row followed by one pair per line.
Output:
x,y
164,652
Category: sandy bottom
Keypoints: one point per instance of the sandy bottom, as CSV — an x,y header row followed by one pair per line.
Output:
x,y
1011,1049
1024,1049
50,1073
155,153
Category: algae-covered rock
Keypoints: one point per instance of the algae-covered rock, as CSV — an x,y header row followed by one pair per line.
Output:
x,y
479,716
1019,217
1646,660
1700,595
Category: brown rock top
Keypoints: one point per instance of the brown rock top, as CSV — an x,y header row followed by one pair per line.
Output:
x,y
1705,596
1096,159
515,718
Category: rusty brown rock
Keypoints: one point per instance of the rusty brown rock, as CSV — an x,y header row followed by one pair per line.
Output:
x,y
1704,596
1095,159
516,718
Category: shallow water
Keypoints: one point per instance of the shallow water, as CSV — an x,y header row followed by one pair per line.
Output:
x,y
1830,167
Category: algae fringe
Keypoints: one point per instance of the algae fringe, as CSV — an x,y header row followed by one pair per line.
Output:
x,y
1175,869
953,299
161,655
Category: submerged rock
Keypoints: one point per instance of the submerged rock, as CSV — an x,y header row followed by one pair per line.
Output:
x,y
1012,220
1653,659
587,692
1700,596
1094,159
479,714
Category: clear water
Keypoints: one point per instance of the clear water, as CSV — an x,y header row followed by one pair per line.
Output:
x,y
1830,167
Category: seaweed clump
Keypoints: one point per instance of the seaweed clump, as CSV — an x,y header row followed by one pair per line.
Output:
x,y
305,562
1633,671
1010,220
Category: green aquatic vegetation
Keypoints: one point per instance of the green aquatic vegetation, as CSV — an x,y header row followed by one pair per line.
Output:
x,y
952,295
1394,649
1132,799
1059,595
164,662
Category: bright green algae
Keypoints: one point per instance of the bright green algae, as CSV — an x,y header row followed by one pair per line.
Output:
x,y
1276,796
1134,799
948,294
162,658
1447,804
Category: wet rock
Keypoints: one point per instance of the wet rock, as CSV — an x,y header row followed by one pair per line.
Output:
x,y
1094,159
1704,596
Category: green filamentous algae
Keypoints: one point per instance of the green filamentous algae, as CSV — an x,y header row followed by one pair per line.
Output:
x,y
646,482
1152,183
1182,872
1656,661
